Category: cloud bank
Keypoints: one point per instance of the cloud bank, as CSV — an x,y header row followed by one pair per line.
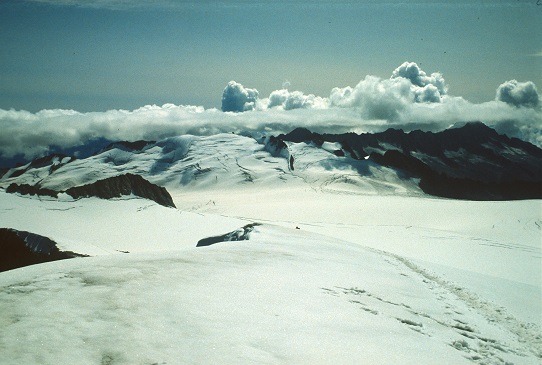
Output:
x,y
410,99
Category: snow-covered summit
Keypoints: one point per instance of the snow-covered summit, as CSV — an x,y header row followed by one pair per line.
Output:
x,y
221,161
469,162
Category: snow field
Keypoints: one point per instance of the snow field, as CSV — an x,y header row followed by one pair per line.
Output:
x,y
366,279
473,243
284,296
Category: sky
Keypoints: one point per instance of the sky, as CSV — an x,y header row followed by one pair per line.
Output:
x,y
101,57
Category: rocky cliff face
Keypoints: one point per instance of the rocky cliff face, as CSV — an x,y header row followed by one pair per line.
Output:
x,y
127,184
21,248
113,187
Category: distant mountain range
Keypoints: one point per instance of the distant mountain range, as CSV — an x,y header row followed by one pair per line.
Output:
x,y
471,162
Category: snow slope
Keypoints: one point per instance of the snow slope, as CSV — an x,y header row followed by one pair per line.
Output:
x,y
352,264
285,296
488,242
222,161
100,227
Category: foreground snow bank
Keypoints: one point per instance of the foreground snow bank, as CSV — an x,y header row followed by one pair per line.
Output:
x,y
285,296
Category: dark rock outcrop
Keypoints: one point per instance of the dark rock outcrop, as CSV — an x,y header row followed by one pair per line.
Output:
x,y
276,147
26,189
54,161
240,234
21,248
3,171
115,187
128,146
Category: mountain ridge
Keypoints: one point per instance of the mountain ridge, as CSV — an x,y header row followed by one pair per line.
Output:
x,y
112,187
471,162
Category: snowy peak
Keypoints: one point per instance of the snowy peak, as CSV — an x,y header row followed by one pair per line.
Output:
x,y
468,162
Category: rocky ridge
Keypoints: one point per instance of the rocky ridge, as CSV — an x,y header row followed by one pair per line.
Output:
x,y
113,187
21,248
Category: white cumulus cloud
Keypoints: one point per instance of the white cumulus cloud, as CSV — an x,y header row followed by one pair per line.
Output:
x,y
411,71
373,105
289,100
375,98
237,98
518,93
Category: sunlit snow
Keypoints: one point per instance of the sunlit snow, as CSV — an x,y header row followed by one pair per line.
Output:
x,y
346,263
318,282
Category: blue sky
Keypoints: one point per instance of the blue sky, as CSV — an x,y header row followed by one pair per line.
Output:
x,y
77,71
101,55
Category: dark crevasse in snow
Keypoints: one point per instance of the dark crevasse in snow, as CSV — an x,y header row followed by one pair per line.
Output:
x,y
21,248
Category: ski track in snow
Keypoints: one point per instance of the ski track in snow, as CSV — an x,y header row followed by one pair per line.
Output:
x,y
528,334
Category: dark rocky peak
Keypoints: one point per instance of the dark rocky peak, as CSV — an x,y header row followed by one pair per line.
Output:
x,y
128,146
115,187
436,142
476,127
55,161
473,133
302,135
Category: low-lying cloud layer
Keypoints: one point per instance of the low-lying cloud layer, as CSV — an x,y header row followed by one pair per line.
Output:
x,y
410,99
